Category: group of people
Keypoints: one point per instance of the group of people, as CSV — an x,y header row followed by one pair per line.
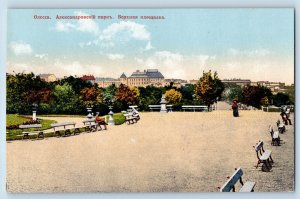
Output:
x,y
285,112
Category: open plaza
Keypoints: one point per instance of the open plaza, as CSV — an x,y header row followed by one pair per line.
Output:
x,y
162,152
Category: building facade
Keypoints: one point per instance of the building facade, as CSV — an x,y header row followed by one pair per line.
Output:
x,y
48,77
138,79
89,78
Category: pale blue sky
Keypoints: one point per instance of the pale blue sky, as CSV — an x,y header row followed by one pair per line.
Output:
x,y
257,44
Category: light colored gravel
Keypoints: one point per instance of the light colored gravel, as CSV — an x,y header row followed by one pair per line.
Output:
x,y
179,151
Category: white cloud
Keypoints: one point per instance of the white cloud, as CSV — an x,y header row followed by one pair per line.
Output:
x,y
20,48
249,53
134,30
115,56
42,56
82,25
87,25
64,27
176,65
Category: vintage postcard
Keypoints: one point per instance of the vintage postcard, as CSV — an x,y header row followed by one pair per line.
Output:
x,y
150,100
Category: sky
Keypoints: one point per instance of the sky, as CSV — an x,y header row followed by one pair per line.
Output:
x,y
255,44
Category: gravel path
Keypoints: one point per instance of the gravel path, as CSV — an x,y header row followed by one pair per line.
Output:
x,y
177,152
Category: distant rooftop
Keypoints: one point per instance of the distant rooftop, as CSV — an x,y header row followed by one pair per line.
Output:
x,y
88,77
151,73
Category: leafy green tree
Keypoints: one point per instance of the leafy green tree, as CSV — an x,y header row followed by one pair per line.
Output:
x,y
281,99
66,101
233,92
290,91
91,96
127,95
76,83
173,96
109,94
209,88
22,91
150,95
253,95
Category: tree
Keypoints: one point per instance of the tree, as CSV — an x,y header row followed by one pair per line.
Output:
x,y
127,95
209,88
281,99
173,96
233,92
149,96
91,96
66,101
22,91
256,95
109,94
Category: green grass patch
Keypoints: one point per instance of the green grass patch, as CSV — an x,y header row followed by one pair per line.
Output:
x,y
13,134
14,119
58,115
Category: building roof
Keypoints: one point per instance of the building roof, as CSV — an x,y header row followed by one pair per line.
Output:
x,y
88,77
123,75
150,73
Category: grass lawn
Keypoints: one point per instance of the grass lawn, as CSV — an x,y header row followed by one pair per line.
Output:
x,y
12,119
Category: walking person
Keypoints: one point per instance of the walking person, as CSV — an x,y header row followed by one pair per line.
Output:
x,y
235,108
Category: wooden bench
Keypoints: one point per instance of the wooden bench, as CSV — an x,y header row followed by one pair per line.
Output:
x,y
280,126
90,125
130,118
67,127
275,136
263,156
194,107
158,107
38,132
231,182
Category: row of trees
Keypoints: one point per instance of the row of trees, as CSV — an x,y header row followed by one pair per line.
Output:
x,y
257,96
73,95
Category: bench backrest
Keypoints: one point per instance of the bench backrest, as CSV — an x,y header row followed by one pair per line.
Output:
x,y
89,120
62,124
27,126
154,106
193,106
259,146
229,185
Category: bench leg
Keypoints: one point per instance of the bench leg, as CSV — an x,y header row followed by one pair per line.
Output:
x,y
271,159
40,135
25,136
266,166
258,162
76,131
67,132
57,133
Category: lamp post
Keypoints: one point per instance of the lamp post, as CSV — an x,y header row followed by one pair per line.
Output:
x,y
34,109
163,106
111,114
89,110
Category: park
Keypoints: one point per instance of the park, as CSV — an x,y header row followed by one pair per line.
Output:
x,y
158,139
163,152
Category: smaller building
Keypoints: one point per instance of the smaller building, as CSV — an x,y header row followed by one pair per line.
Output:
x,y
107,81
240,82
89,78
48,77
